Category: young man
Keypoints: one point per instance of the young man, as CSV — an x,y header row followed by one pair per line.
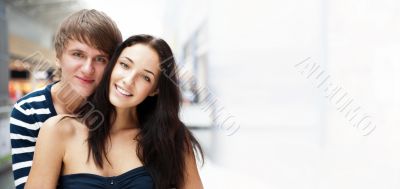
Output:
x,y
84,44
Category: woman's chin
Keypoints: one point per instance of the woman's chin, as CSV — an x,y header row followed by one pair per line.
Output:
x,y
118,103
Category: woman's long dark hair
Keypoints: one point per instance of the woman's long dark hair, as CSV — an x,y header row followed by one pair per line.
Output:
x,y
163,140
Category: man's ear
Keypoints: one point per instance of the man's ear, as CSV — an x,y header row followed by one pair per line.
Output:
x,y
154,93
58,63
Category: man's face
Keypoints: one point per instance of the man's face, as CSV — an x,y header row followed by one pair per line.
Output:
x,y
82,67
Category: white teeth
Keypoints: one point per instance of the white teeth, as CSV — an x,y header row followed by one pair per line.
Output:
x,y
122,91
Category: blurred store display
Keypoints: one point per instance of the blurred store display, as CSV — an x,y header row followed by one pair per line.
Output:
x,y
30,66
23,80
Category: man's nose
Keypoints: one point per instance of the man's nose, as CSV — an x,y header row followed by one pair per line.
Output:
x,y
87,67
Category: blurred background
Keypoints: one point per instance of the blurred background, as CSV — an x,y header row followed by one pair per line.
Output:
x,y
281,94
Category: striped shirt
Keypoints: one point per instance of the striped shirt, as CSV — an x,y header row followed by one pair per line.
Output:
x,y
27,117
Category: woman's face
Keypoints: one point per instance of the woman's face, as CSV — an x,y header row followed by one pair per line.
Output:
x,y
134,76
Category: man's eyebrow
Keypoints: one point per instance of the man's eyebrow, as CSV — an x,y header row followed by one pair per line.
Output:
x,y
79,50
84,52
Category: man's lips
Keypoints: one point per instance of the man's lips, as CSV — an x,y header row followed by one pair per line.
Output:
x,y
85,80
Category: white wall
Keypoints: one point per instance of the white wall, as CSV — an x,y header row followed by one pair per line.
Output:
x,y
291,135
363,45
132,17
254,47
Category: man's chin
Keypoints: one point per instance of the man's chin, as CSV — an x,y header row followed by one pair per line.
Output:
x,y
83,91
85,94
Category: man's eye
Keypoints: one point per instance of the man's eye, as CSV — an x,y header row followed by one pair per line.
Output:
x,y
101,59
77,54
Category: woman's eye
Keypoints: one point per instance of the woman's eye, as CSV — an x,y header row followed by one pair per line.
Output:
x,y
123,65
146,78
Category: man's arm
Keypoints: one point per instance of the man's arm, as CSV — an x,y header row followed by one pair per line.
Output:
x,y
23,133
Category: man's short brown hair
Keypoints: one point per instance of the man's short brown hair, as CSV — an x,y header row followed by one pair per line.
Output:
x,y
91,27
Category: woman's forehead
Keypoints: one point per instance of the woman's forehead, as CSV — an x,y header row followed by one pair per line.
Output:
x,y
141,54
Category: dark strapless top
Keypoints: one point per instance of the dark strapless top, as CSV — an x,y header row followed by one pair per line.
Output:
x,y
137,178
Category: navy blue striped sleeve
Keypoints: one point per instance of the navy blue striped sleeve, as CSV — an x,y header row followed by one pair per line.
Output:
x,y
27,117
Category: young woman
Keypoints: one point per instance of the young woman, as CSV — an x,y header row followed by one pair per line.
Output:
x,y
137,141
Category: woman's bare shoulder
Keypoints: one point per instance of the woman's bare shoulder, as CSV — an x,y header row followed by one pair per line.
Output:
x,y
62,125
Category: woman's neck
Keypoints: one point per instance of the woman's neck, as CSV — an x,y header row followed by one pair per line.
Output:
x,y
125,119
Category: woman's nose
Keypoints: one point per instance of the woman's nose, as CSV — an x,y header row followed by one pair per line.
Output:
x,y
130,78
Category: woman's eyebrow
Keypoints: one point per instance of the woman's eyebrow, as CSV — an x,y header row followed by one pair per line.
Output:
x,y
149,72
130,60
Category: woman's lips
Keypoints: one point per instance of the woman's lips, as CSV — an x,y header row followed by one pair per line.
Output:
x,y
122,91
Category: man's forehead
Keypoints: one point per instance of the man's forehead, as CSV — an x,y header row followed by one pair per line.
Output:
x,y
83,46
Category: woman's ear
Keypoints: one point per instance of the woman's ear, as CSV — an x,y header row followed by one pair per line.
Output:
x,y
154,93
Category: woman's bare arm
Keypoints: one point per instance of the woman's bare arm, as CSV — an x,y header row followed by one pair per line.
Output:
x,y
49,153
192,177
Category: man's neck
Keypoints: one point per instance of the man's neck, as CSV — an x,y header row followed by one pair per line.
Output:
x,y
65,99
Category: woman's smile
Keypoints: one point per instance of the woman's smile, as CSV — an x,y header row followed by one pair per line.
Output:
x,y
122,91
